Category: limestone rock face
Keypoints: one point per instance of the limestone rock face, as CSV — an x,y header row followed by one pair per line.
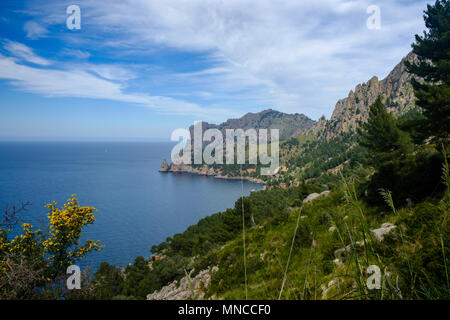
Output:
x,y
342,252
314,196
206,170
326,288
164,166
395,89
325,193
180,168
181,290
311,197
381,232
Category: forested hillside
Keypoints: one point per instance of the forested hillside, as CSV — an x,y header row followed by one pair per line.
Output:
x,y
387,209
370,198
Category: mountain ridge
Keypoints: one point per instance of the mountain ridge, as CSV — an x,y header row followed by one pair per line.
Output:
x,y
395,89
290,125
397,94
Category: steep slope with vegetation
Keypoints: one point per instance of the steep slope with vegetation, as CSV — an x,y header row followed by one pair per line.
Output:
x,y
371,198
304,153
387,210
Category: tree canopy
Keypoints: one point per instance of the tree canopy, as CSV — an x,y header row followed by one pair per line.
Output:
x,y
433,92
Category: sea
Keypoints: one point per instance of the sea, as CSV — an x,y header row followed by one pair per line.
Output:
x,y
138,206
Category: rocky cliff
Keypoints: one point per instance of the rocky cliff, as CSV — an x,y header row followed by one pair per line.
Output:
x,y
185,288
397,93
396,90
206,170
164,166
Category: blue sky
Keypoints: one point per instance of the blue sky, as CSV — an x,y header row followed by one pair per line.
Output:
x,y
138,69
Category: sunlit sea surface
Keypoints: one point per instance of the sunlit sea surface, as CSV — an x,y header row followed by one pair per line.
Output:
x,y
137,206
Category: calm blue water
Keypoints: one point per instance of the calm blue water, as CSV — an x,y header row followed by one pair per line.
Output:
x,y
137,206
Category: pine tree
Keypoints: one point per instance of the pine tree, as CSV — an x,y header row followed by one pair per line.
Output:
x,y
433,51
382,138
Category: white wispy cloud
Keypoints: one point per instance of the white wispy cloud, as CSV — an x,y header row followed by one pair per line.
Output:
x,y
110,72
24,52
76,53
295,56
34,30
89,81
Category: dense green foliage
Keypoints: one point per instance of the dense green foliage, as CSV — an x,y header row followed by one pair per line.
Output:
x,y
318,156
382,137
394,170
433,95
409,171
199,240
413,263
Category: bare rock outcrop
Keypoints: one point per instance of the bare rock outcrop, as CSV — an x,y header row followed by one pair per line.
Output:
x,y
314,196
395,89
182,289
378,234
206,170
383,230
164,166
326,289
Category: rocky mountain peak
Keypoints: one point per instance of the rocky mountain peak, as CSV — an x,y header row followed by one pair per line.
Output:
x,y
290,125
395,89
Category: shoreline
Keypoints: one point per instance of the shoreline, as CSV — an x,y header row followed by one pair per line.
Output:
x,y
204,171
246,178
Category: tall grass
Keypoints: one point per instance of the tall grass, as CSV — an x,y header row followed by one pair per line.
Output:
x,y
300,271
188,277
446,203
290,253
387,196
362,225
